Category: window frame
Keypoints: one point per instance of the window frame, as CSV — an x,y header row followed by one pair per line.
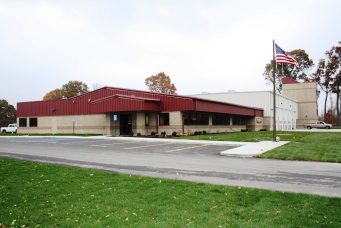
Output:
x,y
33,122
197,119
21,120
221,119
164,117
146,119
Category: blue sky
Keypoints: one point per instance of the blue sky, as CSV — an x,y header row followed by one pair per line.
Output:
x,y
211,46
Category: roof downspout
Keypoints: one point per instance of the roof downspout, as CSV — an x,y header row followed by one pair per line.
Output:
x,y
183,124
157,119
157,122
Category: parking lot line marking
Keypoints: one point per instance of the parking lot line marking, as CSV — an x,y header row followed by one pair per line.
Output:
x,y
115,143
73,142
187,148
136,147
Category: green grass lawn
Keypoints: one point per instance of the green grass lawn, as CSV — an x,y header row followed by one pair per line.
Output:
x,y
303,146
325,147
43,195
255,136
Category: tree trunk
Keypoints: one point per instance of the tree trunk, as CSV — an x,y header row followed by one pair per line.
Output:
x,y
337,103
338,108
325,107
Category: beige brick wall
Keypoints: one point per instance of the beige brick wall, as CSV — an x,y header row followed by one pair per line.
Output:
x,y
190,129
140,123
255,124
175,124
305,94
267,122
95,124
104,124
141,127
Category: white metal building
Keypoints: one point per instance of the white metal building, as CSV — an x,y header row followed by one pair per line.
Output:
x,y
286,108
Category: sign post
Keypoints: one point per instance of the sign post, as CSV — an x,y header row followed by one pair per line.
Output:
x,y
73,124
115,119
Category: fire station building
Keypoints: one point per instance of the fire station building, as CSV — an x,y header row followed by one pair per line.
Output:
x,y
119,111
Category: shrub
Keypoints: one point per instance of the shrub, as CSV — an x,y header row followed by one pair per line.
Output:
x,y
131,133
243,130
153,133
174,133
204,132
262,129
163,134
138,134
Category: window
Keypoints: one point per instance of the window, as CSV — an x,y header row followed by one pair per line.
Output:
x,y
241,120
33,122
205,119
146,119
238,120
199,119
221,119
193,119
196,119
22,122
234,120
164,119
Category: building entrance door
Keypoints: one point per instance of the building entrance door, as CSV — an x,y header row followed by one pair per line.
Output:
x,y
125,124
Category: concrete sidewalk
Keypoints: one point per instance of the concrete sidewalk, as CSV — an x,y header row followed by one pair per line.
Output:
x,y
250,149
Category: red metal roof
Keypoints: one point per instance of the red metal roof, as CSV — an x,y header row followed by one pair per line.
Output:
x,y
288,81
111,99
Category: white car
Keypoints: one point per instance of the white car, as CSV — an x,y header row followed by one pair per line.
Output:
x,y
11,128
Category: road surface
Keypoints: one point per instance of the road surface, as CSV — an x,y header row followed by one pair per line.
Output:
x,y
180,160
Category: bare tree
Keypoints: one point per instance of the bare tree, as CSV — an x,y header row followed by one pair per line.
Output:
x,y
97,86
323,78
334,70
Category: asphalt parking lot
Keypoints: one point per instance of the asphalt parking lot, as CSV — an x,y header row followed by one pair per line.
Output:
x,y
127,144
198,161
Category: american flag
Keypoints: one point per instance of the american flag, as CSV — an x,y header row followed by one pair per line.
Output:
x,y
283,57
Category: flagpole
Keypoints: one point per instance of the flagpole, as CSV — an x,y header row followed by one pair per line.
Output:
x,y
274,91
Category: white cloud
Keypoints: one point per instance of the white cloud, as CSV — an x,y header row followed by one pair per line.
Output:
x,y
202,45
